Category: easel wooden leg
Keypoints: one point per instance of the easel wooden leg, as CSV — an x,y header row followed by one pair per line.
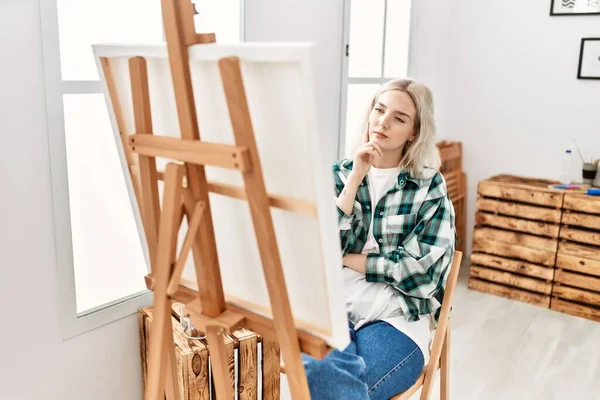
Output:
x,y
216,347
263,225
161,340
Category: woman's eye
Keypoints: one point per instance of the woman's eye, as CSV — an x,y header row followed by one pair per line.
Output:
x,y
378,109
399,119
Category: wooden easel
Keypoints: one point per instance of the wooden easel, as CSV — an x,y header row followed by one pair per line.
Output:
x,y
189,197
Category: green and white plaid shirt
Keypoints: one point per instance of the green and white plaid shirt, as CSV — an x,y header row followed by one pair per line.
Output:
x,y
414,227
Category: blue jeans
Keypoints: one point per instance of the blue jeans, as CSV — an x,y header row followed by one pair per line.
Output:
x,y
379,363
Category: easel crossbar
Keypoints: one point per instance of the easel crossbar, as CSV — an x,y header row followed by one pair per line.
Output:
x,y
191,151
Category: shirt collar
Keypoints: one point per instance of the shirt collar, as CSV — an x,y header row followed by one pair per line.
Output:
x,y
403,176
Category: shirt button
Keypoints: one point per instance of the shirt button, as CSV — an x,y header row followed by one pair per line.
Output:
x,y
381,213
368,207
380,240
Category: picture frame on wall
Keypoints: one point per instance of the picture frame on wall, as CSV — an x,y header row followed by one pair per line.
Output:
x,y
574,7
589,59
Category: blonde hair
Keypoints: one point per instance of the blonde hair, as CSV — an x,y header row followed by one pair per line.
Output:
x,y
422,152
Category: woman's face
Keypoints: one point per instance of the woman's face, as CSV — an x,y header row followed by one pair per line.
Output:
x,y
392,120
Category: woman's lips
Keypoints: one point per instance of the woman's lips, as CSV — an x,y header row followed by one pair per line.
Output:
x,y
380,135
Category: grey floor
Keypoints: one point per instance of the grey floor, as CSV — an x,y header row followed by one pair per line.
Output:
x,y
507,350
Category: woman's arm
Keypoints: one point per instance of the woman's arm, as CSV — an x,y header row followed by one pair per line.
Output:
x,y
419,275
345,200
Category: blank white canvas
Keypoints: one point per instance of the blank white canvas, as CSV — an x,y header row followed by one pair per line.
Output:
x,y
279,87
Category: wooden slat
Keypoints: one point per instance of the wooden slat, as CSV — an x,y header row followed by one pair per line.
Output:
x,y
581,236
575,294
579,250
578,264
516,238
519,210
511,293
192,151
520,193
578,219
229,344
271,369
514,280
583,203
219,360
526,181
247,364
578,310
517,224
147,165
520,267
142,315
263,227
577,280
536,256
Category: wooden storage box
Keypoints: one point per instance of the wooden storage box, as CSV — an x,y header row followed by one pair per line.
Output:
x,y
516,238
576,288
254,364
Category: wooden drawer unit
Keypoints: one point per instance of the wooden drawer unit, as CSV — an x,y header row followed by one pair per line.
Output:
x,y
516,238
577,280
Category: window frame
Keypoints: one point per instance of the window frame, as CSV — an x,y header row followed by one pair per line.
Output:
x,y
347,80
72,323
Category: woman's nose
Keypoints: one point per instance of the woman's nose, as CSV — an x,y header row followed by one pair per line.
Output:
x,y
383,121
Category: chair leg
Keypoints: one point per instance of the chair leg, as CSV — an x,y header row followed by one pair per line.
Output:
x,y
445,367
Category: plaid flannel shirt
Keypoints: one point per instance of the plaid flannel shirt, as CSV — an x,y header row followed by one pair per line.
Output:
x,y
415,228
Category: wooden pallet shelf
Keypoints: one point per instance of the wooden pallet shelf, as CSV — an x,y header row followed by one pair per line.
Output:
x,y
576,287
537,245
513,256
456,182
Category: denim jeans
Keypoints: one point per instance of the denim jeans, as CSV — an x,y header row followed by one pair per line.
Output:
x,y
379,363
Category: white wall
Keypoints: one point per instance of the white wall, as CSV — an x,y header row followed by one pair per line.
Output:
x,y
315,21
504,76
35,362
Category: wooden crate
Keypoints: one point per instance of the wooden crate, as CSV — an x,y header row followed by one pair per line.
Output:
x,y
249,359
576,288
456,181
516,238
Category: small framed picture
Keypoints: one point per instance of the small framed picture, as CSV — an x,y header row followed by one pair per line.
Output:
x,y
589,59
575,7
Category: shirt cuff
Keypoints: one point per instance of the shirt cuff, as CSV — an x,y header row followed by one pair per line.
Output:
x,y
344,221
374,268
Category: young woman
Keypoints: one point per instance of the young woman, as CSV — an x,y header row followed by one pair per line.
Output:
x,y
397,235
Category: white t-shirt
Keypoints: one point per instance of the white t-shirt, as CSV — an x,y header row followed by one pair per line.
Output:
x,y
371,301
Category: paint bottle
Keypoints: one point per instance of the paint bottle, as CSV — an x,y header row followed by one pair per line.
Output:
x,y
568,174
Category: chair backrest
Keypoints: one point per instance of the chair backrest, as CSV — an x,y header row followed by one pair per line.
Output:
x,y
440,334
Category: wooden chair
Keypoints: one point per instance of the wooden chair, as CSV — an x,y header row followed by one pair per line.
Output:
x,y
440,353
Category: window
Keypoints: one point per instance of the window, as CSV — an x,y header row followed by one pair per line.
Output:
x,y
376,33
101,260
